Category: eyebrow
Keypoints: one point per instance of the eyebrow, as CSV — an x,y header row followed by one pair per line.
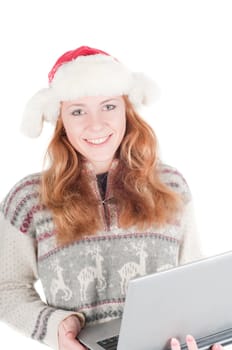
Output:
x,y
76,105
101,103
108,100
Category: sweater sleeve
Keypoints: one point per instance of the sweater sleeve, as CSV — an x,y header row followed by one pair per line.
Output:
x,y
190,248
20,305
190,245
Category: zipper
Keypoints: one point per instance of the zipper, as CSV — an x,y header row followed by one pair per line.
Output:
x,y
104,205
105,212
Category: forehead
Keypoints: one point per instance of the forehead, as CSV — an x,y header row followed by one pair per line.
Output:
x,y
93,100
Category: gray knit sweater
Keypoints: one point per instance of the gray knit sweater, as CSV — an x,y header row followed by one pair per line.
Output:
x,y
89,276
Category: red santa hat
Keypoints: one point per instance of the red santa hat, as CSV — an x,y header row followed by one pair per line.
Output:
x,y
84,71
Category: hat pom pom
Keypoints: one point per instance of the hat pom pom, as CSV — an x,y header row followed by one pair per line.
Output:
x,y
42,106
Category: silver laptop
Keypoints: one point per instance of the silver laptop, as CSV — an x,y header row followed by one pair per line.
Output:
x,y
195,298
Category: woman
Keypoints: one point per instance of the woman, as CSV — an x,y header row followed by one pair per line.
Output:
x,y
104,211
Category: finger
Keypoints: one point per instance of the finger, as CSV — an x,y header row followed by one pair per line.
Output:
x,y
79,346
75,345
70,335
67,342
71,326
217,347
175,344
191,342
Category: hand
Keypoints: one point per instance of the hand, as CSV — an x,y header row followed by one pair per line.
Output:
x,y
191,344
67,333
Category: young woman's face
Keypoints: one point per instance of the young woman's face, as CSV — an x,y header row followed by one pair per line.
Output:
x,y
95,127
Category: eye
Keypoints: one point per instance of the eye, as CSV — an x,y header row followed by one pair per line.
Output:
x,y
77,112
108,107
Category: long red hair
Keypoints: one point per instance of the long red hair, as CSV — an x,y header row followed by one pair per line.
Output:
x,y
142,198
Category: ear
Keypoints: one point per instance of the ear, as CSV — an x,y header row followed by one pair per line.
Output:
x,y
42,106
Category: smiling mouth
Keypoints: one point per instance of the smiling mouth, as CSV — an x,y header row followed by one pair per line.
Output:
x,y
98,141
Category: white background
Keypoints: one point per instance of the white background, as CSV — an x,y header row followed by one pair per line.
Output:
x,y
184,45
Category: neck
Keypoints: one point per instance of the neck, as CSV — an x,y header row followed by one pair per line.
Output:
x,y
101,167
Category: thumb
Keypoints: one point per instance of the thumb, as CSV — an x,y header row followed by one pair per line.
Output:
x,y
71,335
71,326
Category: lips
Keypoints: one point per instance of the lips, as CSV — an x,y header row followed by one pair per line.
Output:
x,y
98,141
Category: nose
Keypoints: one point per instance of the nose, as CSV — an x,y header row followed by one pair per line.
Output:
x,y
96,122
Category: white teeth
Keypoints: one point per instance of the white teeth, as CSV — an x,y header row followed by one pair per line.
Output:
x,y
97,141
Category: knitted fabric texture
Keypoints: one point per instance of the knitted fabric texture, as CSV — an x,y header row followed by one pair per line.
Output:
x,y
89,276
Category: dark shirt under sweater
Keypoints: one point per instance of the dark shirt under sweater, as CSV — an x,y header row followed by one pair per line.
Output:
x,y
102,181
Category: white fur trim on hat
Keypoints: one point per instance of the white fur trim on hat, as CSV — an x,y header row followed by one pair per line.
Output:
x,y
91,75
44,105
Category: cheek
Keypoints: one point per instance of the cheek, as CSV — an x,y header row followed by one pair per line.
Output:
x,y
118,122
73,135
121,126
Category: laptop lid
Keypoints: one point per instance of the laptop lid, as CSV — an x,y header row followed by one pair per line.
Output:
x,y
195,298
